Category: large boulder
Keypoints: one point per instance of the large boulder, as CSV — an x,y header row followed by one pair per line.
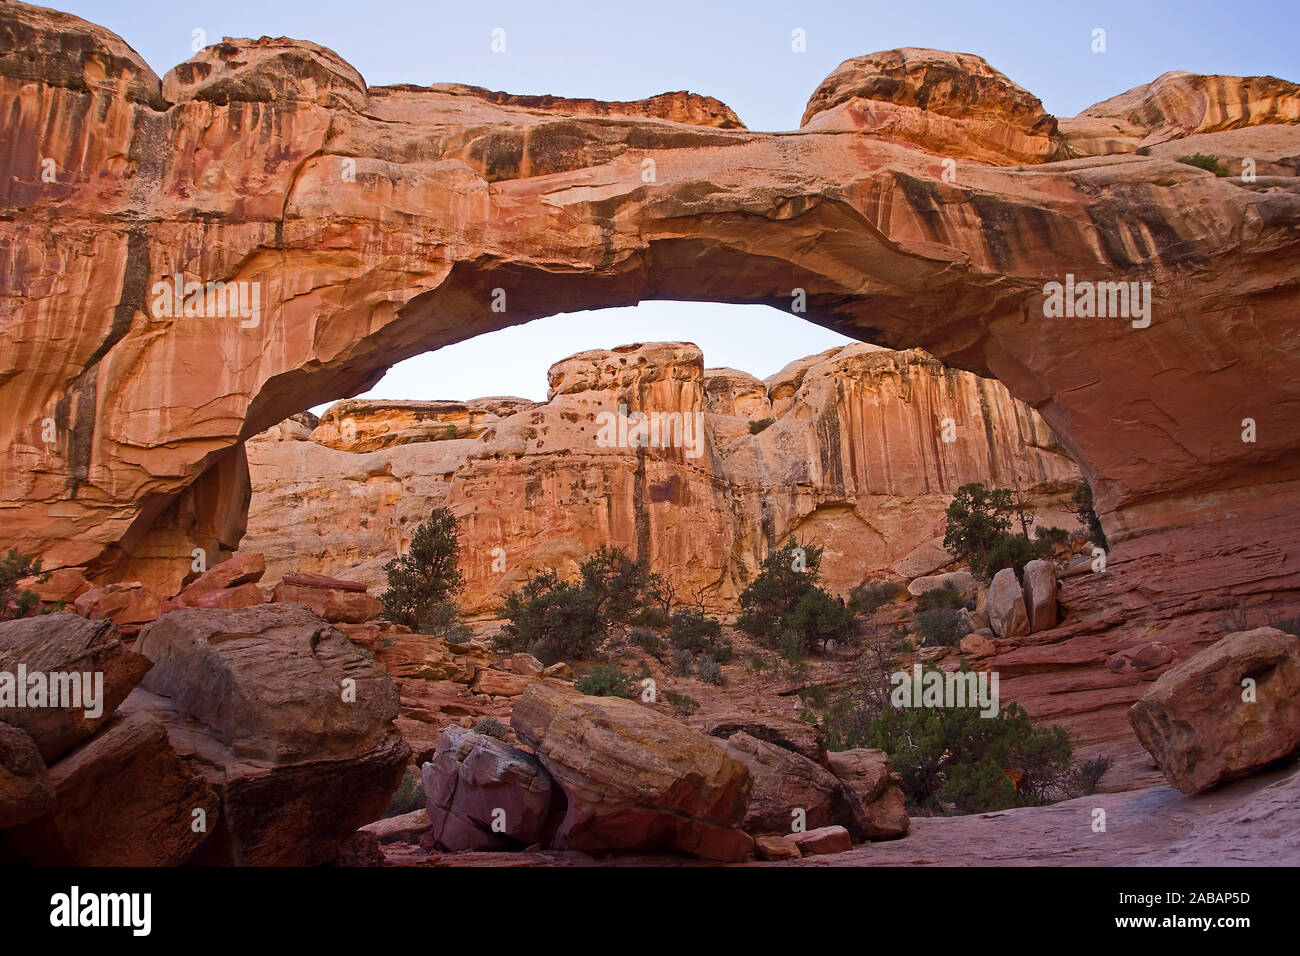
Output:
x,y
287,721
870,776
1204,724
47,652
483,794
124,799
634,779
784,784
1006,605
1040,594
25,788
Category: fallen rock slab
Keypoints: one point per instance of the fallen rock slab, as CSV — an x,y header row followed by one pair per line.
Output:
x,y
821,841
1040,595
963,582
633,778
483,794
241,569
403,828
1139,658
124,799
58,647
347,605
1225,712
787,787
870,775
774,849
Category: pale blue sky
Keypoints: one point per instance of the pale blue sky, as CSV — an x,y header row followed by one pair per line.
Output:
x,y
737,50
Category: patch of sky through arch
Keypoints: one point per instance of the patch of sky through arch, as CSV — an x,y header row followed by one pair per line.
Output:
x,y
514,361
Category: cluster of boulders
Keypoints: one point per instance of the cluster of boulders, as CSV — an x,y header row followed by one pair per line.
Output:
x,y
259,735
601,774
1010,607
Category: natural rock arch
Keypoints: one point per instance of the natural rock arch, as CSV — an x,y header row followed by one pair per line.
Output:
x,y
377,223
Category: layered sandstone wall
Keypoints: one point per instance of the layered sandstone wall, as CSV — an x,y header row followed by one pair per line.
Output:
x,y
854,460
925,202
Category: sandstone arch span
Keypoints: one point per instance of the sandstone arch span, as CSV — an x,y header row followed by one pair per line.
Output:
x,y
377,223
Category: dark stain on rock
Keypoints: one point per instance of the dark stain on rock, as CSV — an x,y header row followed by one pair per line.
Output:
x,y
640,509
532,493
982,386
1131,214
670,490
497,156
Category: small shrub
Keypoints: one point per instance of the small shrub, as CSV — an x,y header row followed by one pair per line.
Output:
x,y
941,626
647,640
757,426
443,620
14,567
757,663
1291,625
649,617
491,727
977,518
815,695
606,681
409,796
724,654
946,596
551,619
953,755
694,631
709,671
1081,507
452,431
1013,551
1087,774
683,661
790,646
1054,536
871,596
1234,617
1207,162
681,702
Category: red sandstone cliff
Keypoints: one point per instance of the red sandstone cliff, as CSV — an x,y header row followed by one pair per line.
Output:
x,y
854,461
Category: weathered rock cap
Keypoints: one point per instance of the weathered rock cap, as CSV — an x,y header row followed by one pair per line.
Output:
x,y
47,46
266,70
1225,712
679,106
946,102
1179,103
